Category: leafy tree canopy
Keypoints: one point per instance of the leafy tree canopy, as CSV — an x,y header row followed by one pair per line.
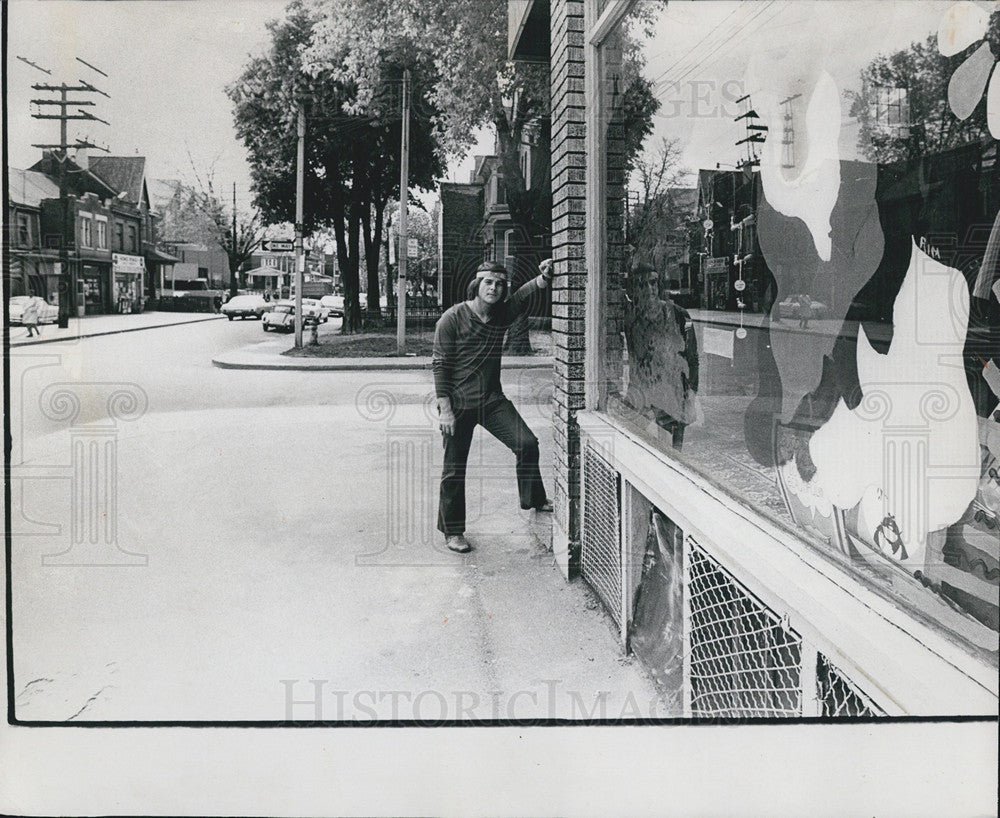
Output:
x,y
917,78
352,142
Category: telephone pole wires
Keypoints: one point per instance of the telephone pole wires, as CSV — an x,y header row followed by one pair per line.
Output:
x,y
67,240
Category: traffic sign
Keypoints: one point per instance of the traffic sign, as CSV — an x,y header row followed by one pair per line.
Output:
x,y
278,245
412,248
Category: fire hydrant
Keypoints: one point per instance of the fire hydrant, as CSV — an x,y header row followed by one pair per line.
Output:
x,y
314,336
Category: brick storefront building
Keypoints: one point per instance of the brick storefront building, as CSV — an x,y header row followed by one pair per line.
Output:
x,y
785,556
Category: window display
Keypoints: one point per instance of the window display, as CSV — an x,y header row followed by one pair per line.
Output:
x,y
802,245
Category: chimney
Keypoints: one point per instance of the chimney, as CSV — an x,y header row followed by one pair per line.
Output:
x,y
81,158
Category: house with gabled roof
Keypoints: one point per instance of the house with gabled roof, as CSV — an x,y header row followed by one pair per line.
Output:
x,y
105,224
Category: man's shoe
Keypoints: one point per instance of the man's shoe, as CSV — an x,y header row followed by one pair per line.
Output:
x,y
458,544
546,506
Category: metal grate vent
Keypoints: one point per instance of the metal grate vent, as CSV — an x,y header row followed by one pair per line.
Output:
x,y
744,663
600,558
839,697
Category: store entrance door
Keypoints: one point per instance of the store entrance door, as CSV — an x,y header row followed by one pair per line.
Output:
x,y
94,296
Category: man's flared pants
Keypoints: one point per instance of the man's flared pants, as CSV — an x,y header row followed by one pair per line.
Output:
x,y
500,419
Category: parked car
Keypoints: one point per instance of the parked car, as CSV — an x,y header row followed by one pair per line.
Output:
x,y
334,303
791,307
313,308
282,317
681,296
47,313
245,306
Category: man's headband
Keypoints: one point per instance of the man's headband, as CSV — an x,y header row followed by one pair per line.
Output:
x,y
502,274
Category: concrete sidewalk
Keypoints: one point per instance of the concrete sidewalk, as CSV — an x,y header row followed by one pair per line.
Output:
x,y
268,353
91,325
244,565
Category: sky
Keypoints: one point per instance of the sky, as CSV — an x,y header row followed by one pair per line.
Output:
x,y
168,62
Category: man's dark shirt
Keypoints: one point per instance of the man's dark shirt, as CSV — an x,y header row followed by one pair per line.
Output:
x,y
467,351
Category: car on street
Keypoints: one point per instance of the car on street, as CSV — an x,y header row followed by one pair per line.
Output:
x,y
313,308
245,306
791,307
333,303
47,313
282,317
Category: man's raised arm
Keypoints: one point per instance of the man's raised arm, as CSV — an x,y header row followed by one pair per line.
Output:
x,y
520,300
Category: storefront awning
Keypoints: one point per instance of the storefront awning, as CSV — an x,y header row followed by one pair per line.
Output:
x,y
160,257
528,37
265,272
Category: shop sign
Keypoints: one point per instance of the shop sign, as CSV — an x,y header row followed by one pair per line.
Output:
x,y
717,266
123,263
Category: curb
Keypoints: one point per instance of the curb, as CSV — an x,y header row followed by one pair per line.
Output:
x,y
361,364
111,332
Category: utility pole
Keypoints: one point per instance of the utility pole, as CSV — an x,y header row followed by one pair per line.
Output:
x,y
233,283
299,219
68,237
404,184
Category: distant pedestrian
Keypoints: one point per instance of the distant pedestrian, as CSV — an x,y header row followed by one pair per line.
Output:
x,y
805,310
29,317
468,342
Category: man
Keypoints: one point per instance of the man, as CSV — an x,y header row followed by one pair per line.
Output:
x,y
30,316
662,355
468,340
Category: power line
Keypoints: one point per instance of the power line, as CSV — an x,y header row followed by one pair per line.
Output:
x,y
723,43
691,50
92,67
33,65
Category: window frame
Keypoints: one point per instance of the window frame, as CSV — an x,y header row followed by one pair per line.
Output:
x,y
598,28
26,225
86,230
101,237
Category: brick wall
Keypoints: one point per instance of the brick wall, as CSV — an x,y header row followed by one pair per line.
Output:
x,y
569,286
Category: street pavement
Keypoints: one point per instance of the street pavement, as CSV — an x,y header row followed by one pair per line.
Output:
x,y
197,543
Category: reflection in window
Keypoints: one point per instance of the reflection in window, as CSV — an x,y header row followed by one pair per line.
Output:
x,y
823,225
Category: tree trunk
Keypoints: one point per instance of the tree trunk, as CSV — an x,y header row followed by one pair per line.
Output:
x,y
372,237
233,282
389,281
351,322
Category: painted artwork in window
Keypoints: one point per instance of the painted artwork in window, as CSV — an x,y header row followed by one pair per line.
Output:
x,y
826,229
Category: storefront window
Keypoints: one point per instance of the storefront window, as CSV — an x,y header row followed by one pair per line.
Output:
x,y
802,245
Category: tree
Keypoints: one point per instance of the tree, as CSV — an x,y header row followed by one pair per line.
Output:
x,y
422,226
352,150
196,214
474,84
182,219
660,213
903,108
